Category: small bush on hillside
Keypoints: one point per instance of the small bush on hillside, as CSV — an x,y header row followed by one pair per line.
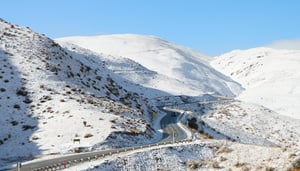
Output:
x,y
88,135
98,78
296,164
22,92
192,165
16,106
14,123
192,123
26,127
33,138
42,86
113,121
27,101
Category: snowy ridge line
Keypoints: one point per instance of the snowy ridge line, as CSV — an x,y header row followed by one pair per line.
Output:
x,y
236,135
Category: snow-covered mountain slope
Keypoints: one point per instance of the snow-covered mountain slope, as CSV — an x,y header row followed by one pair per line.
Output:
x,y
49,98
135,74
175,69
271,77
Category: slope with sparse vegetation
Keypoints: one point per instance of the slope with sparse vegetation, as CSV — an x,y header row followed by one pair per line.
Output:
x,y
50,98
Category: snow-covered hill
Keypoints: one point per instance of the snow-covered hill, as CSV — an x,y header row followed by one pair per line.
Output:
x,y
174,69
49,98
271,77
103,91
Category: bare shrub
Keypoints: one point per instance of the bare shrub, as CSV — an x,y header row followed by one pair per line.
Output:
x,y
26,127
88,135
192,165
133,130
215,165
33,138
14,123
16,106
113,120
84,123
296,164
27,100
22,92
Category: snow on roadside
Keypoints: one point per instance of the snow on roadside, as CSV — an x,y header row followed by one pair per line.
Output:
x,y
205,155
254,124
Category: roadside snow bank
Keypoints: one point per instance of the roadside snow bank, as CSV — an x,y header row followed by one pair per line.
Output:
x,y
207,155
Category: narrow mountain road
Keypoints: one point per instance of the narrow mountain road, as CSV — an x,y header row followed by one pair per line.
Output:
x,y
172,133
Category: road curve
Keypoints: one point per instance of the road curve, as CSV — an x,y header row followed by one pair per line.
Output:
x,y
172,133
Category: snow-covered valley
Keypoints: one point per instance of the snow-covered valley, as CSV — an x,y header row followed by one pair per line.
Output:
x,y
105,92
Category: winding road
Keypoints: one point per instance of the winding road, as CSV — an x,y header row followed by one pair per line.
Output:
x,y
172,133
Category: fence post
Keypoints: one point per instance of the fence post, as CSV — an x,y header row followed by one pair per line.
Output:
x,y
19,165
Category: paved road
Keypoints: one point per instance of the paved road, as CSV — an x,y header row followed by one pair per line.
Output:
x,y
171,133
